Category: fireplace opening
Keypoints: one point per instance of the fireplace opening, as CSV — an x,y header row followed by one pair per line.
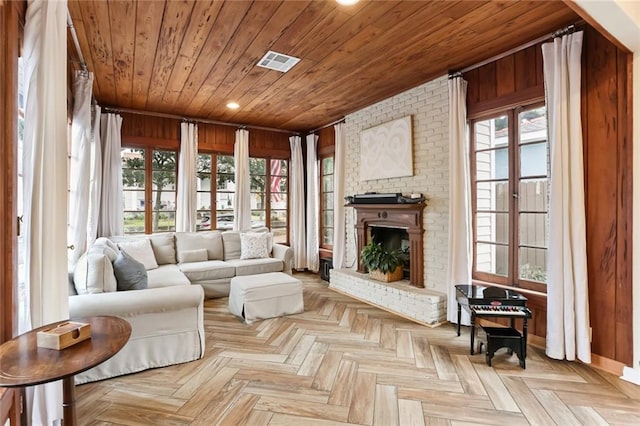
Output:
x,y
392,238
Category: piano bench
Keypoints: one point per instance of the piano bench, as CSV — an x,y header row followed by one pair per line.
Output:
x,y
504,337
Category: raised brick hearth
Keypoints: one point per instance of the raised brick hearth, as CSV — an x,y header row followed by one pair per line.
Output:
x,y
419,304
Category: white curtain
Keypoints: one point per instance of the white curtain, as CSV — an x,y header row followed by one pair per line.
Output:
x,y
111,220
339,228
45,183
187,204
80,165
460,246
567,292
95,178
297,214
242,200
313,255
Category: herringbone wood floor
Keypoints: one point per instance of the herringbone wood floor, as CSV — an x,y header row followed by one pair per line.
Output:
x,y
344,362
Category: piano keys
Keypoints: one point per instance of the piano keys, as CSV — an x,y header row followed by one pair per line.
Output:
x,y
482,301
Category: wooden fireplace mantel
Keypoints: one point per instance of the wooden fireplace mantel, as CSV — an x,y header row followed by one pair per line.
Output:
x,y
407,216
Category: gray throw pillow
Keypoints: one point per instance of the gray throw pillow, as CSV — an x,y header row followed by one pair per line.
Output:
x,y
130,274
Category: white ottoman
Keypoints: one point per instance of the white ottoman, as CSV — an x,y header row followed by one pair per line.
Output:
x,y
262,296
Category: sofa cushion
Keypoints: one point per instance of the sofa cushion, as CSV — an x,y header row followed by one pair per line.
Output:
x,y
256,266
130,274
199,255
103,241
101,248
166,276
94,274
253,245
210,240
231,245
141,251
209,270
163,248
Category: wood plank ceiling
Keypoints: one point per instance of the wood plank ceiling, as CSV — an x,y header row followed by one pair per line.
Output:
x,y
190,58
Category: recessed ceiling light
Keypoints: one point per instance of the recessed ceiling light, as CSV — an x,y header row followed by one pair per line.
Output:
x,y
347,2
233,105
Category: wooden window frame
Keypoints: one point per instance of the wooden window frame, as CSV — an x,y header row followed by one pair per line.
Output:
x,y
512,279
148,177
323,156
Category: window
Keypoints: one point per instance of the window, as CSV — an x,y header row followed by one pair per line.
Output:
x,y
510,165
326,202
149,190
269,193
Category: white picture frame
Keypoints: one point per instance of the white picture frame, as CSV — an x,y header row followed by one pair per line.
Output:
x,y
386,150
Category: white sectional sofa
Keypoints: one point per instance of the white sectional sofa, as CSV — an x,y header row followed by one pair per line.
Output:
x,y
167,316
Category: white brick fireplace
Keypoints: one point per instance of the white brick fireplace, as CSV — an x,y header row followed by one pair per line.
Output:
x,y
428,106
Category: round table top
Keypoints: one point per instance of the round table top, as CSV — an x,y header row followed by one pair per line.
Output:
x,y
23,363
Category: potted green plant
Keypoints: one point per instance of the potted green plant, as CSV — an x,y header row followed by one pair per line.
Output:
x,y
383,265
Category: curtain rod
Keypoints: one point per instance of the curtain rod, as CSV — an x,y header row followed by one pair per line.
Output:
x,y
195,120
76,43
566,30
342,120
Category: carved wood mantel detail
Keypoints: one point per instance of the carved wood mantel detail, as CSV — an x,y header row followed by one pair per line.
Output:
x,y
406,216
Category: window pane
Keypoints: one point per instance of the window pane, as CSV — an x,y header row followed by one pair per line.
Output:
x,y
327,218
132,158
132,178
327,166
493,164
203,220
203,200
533,195
163,221
224,221
203,164
203,183
278,184
278,218
491,133
327,236
492,258
492,227
164,161
258,218
492,196
133,200
257,166
327,200
225,164
327,183
134,222
533,160
224,200
533,264
165,200
164,180
533,229
279,200
226,182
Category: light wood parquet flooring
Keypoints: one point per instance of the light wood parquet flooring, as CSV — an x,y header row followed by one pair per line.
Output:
x,y
344,362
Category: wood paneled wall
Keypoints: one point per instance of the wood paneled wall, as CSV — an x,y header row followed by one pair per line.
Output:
x,y
147,130
326,141
11,20
606,120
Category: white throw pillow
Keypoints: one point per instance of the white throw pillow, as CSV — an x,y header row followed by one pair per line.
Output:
x,y
141,251
254,245
94,274
198,255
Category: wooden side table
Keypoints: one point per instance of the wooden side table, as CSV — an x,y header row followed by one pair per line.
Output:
x,y
23,363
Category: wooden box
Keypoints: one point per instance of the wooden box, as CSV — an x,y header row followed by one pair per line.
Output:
x,y
64,335
396,275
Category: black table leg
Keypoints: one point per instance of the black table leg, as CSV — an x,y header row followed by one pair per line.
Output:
x,y
459,317
473,331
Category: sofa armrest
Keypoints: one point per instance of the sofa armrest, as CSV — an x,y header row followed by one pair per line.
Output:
x,y
136,302
284,253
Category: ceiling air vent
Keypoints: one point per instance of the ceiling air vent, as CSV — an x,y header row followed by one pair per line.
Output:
x,y
278,61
